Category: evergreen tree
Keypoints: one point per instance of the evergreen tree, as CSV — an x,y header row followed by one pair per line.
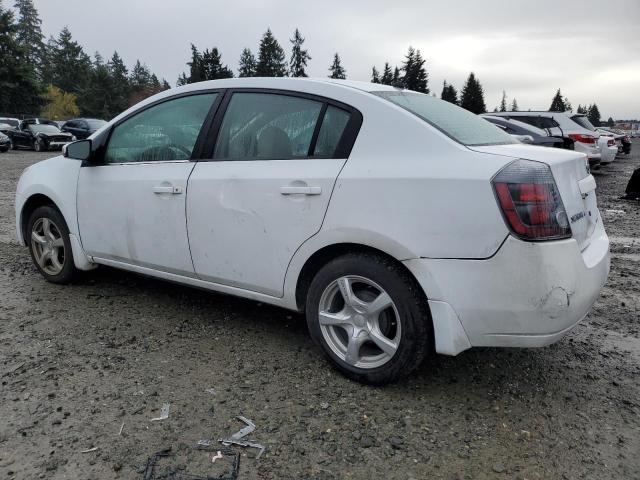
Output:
x,y
165,84
142,83
97,97
594,115
196,68
396,79
503,102
375,76
449,93
247,66
557,104
472,97
299,56
581,109
66,65
29,31
336,69
415,76
120,88
271,57
212,67
182,80
19,90
514,106
387,75
611,123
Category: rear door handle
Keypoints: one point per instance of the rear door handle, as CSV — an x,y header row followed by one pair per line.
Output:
x,y
159,189
290,190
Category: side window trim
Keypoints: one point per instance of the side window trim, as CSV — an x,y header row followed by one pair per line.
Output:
x,y
198,147
345,145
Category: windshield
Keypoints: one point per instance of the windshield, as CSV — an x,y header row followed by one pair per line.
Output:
x,y
455,122
96,124
44,128
9,121
583,122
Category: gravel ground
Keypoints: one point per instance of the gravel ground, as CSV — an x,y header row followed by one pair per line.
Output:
x,y
85,367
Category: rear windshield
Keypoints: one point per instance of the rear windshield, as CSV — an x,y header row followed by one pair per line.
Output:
x,y
583,122
455,122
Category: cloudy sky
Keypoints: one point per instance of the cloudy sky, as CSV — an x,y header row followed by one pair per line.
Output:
x,y
589,49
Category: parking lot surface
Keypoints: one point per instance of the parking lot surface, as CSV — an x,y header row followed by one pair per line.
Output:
x,y
84,368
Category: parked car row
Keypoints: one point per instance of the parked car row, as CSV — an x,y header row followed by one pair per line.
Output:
x,y
40,134
567,130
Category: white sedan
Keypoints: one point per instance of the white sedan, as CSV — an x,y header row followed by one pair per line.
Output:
x,y
400,224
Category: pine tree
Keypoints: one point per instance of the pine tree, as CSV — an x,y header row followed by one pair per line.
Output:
x,y
472,97
503,102
19,89
336,69
396,79
196,68
611,123
581,109
557,104
514,105
141,81
29,31
120,88
415,76
97,97
387,75
247,64
594,115
165,84
375,76
66,65
449,93
211,65
271,57
299,57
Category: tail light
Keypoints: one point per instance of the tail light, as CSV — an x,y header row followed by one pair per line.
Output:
x,y
530,201
589,139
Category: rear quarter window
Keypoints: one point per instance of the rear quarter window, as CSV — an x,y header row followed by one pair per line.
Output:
x,y
455,122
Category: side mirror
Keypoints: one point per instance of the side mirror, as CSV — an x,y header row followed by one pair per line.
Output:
x,y
80,150
525,138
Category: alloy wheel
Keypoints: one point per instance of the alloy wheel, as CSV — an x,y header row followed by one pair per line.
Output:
x,y
48,246
359,321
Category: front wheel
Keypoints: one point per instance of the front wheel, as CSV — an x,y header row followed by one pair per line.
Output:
x,y
49,244
370,318
39,146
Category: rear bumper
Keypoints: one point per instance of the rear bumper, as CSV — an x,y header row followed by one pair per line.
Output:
x,y
608,154
527,295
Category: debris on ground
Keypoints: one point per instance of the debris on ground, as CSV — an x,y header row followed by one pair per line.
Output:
x,y
164,413
236,438
89,450
174,473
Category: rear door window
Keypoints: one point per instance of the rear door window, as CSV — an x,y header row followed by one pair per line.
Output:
x,y
262,126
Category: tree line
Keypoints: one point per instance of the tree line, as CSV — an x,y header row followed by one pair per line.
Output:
x,y
59,79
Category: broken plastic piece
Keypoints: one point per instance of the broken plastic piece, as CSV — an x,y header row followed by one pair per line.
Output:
x,y
236,438
164,413
217,456
88,450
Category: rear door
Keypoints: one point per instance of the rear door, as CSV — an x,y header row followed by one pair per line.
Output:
x,y
267,187
131,208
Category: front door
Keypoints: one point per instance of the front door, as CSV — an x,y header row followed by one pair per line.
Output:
x,y
267,188
131,208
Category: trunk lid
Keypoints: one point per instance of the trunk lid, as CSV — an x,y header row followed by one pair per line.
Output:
x,y
573,179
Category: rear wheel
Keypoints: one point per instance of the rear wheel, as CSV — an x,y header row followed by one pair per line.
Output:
x,y
50,246
370,318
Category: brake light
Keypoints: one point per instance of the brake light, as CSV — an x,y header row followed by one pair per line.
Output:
x,y
588,139
530,201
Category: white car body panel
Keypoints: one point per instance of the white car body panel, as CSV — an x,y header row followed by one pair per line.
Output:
x,y
406,190
243,225
122,218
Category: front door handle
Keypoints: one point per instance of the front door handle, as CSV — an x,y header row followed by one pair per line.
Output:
x,y
159,189
291,190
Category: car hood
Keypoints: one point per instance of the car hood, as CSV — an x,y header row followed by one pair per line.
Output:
x,y
49,135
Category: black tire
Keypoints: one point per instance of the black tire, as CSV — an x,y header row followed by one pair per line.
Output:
x,y
416,338
68,271
38,146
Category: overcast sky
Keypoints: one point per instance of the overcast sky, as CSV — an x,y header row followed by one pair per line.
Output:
x,y
589,49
